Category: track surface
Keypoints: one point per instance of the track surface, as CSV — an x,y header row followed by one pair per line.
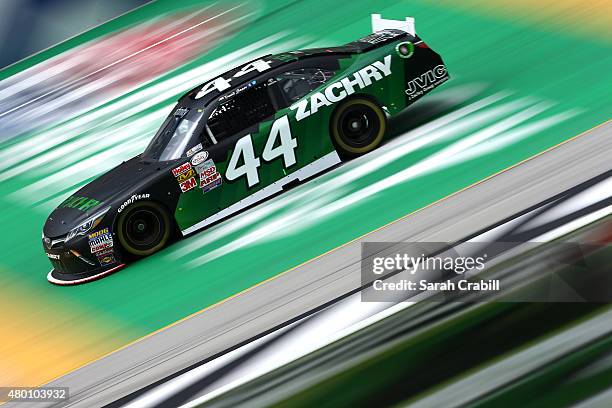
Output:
x,y
335,273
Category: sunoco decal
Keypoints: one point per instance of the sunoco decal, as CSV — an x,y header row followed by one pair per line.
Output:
x,y
426,81
199,158
130,200
343,88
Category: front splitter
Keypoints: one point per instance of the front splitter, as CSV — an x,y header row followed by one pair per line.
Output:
x,y
63,281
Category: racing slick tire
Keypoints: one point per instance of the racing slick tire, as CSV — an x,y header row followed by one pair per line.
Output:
x,y
144,228
358,126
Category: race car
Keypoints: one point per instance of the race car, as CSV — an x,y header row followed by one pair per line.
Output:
x,y
238,139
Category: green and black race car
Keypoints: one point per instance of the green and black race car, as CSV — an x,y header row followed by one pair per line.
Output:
x,y
238,139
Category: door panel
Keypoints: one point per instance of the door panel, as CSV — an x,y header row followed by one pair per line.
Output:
x,y
252,161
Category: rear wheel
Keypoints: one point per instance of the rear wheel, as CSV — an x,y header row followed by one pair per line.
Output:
x,y
144,228
357,127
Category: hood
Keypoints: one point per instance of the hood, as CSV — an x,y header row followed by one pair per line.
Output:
x,y
109,189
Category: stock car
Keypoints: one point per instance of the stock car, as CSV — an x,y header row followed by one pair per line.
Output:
x,y
237,139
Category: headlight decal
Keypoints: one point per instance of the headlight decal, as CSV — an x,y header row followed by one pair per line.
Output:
x,y
88,224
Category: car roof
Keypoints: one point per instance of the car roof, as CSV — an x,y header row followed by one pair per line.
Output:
x,y
276,60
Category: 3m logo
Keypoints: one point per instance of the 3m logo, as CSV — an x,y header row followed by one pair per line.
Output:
x,y
188,184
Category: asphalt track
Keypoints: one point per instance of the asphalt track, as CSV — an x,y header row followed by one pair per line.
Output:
x,y
335,273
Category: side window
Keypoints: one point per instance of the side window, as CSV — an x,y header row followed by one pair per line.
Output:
x,y
296,83
238,112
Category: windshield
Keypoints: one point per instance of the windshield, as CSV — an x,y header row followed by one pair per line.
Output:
x,y
176,136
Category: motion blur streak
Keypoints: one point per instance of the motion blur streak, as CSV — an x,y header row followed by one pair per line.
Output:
x,y
34,347
518,365
289,344
128,136
587,18
312,204
88,75
580,207
354,170
92,126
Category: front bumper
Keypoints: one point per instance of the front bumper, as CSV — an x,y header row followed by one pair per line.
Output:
x,y
65,279
74,263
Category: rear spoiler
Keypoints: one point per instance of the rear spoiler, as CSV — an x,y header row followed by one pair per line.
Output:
x,y
379,24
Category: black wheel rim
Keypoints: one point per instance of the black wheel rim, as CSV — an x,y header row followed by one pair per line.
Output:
x,y
358,126
143,229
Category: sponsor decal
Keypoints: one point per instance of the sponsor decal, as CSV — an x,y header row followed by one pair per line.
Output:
x,y
52,256
195,148
181,169
186,175
346,86
209,176
210,182
426,81
80,203
98,233
206,166
199,158
100,241
130,200
106,258
188,184
405,49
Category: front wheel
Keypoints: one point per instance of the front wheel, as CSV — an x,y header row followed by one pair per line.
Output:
x,y
357,127
143,228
